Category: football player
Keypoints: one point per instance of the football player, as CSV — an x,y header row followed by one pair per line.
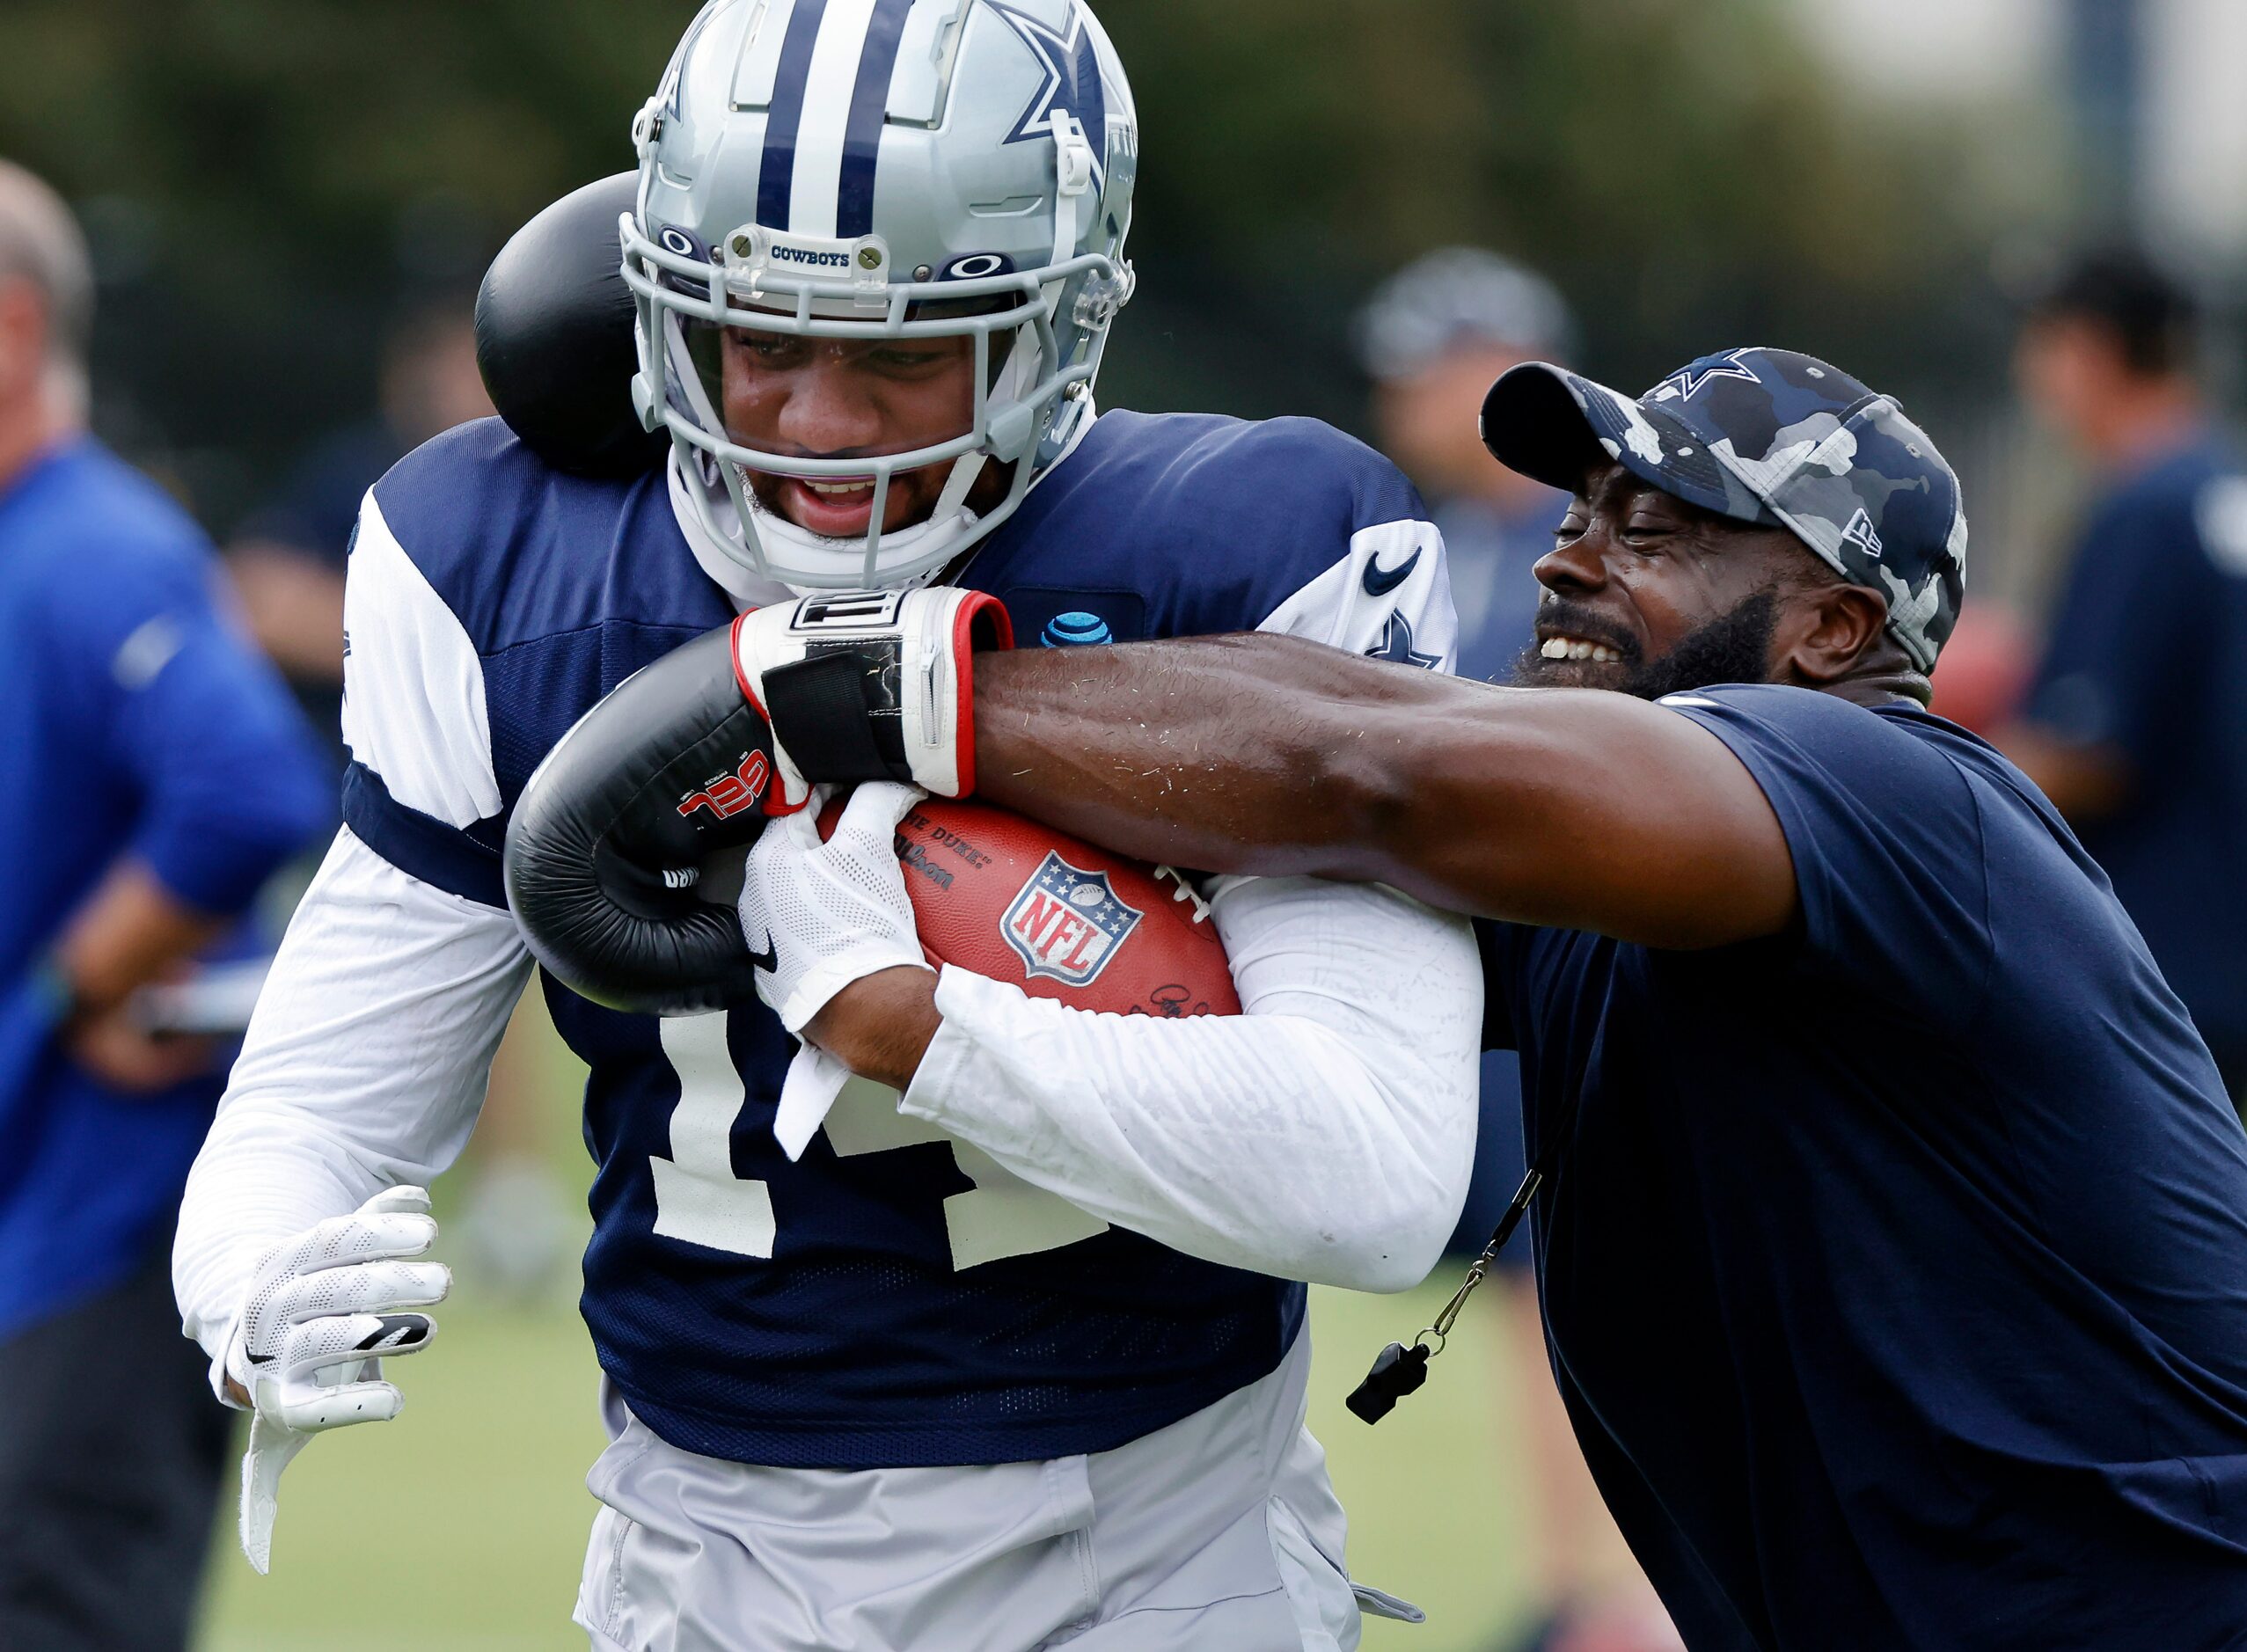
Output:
x,y
901,1390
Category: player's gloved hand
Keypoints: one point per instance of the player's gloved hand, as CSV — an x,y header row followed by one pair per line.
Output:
x,y
819,916
869,686
322,1310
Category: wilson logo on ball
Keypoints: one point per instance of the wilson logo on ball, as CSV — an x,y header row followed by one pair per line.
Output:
x,y
1067,923
730,794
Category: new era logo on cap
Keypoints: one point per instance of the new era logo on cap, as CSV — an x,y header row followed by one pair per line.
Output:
x,y
1860,533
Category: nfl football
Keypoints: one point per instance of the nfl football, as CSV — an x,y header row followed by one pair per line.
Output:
x,y
1018,901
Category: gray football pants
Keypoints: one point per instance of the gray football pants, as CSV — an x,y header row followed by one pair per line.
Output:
x,y
1221,1532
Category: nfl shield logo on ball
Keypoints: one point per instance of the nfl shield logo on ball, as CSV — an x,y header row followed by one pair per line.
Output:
x,y
1067,923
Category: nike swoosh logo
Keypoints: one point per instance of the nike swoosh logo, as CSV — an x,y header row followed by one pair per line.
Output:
x,y
769,960
1379,581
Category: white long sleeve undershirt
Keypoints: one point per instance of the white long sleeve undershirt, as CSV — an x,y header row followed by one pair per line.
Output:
x,y
1325,1135
363,1068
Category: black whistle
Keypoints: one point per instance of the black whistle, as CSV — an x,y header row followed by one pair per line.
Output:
x,y
1397,1372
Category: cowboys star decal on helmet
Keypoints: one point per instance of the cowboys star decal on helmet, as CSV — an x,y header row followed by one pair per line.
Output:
x,y
1072,85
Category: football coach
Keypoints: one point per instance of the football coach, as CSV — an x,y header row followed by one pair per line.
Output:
x,y
1895,1268
1895,1261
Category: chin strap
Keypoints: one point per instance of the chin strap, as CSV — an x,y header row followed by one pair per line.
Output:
x,y
1073,166
726,564
953,501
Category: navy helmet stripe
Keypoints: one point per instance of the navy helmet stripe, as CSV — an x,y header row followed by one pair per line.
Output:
x,y
784,115
869,105
1090,99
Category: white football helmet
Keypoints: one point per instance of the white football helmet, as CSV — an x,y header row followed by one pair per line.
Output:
x,y
880,170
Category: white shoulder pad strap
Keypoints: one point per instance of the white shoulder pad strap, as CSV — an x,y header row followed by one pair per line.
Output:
x,y
1390,597
413,708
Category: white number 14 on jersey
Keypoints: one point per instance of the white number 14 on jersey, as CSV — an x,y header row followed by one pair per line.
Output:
x,y
700,1200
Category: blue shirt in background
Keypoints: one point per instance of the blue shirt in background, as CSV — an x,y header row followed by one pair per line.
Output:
x,y
2149,655
134,721
1492,553
313,516
1896,1267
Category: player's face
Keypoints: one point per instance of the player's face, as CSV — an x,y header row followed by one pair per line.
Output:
x,y
845,399
1650,594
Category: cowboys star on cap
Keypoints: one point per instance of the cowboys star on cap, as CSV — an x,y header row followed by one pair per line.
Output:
x,y
1687,381
1072,83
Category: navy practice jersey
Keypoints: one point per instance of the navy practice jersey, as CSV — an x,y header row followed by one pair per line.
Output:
x,y
892,1299
1896,1269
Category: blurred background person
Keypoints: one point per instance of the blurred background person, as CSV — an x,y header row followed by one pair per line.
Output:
x,y
286,558
2136,725
152,774
1433,337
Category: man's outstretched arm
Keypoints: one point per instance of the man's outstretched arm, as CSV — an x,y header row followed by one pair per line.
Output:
x,y
1571,808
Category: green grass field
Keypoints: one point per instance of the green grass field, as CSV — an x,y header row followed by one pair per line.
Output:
x,y
461,1526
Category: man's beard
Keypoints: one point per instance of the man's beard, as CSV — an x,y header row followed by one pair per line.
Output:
x,y
1734,647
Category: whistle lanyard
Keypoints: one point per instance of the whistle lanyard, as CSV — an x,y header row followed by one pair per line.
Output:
x,y
1399,1369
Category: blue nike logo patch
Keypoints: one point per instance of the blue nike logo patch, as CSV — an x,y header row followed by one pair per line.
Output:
x,y
1380,582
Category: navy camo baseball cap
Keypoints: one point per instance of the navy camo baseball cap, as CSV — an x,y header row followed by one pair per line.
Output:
x,y
1768,437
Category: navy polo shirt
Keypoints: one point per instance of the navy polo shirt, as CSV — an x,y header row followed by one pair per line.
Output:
x,y
2148,656
1895,1270
134,721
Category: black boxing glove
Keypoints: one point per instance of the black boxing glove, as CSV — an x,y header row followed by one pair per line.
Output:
x,y
605,848
607,843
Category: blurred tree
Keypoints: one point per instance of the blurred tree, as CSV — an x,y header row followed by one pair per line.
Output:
x,y
1685,168
266,179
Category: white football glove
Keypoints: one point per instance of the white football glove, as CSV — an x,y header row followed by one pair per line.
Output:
x,y
868,685
819,916
321,1312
